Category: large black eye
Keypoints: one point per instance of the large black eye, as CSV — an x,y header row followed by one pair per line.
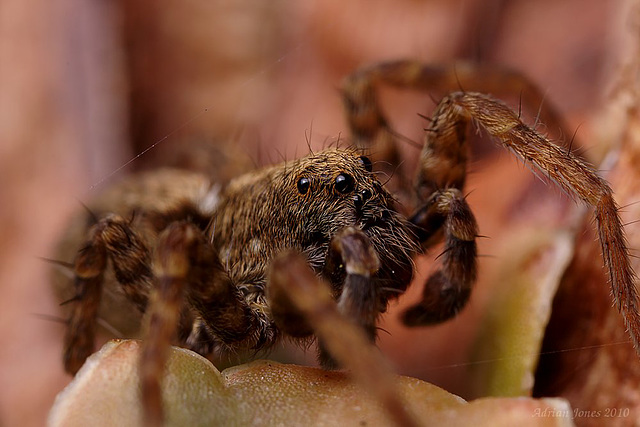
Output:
x,y
303,185
344,183
366,163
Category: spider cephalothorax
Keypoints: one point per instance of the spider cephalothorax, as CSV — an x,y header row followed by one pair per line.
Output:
x,y
221,268
302,205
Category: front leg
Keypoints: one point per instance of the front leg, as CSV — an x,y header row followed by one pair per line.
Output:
x,y
571,174
292,280
184,279
441,175
439,180
360,296
352,260
448,289
189,277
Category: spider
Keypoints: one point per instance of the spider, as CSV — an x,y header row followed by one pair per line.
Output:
x,y
279,252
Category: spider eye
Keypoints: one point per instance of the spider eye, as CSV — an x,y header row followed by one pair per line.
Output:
x,y
303,185
366,163
344,183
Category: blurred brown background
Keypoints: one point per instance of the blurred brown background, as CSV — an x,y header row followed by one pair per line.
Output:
x,y
86,87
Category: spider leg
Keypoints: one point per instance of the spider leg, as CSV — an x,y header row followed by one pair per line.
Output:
x,y
110,237
289,319
184,286
572,175
441,174
80,334
187,270
448,289
359,299
366,118
291,277
370,128
442,163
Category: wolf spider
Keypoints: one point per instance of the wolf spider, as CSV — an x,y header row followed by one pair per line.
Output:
x,y
221,270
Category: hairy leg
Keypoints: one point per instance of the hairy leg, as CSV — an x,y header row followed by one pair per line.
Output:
x,y
568,171
576,178
347,343
367,121
441,174
111,237
448,289
359,298
188,273
449,123
187,288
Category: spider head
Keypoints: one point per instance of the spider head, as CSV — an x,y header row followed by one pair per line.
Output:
x,y
337,189
301,205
